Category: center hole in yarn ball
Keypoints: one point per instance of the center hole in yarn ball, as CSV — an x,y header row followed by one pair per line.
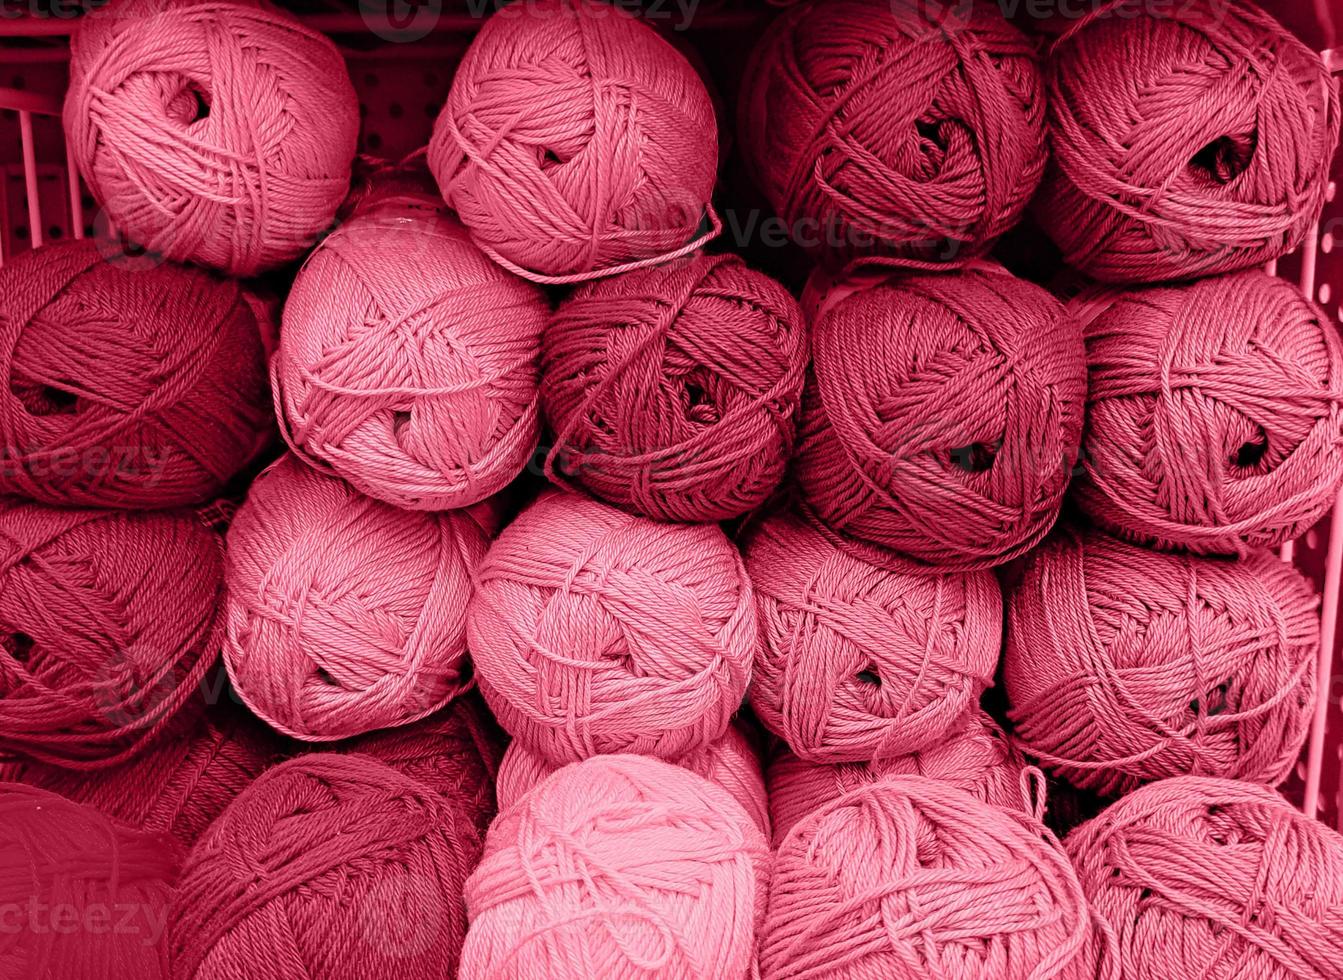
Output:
x,y
190,105
1252,452
550,159
930,132
1213,703
20,647
1225,158
869,676
48,400
699,408
976,457
325,677
399,421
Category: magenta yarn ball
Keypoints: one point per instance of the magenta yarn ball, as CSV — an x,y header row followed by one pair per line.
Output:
x,y
1125,665
211,131
575,141
344,614
408,360
595,631
862,661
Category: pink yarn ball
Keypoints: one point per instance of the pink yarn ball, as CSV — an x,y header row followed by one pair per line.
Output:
x,y
1188,139
674,391
1125,665
977,758
407,364
620,866
344,614
1214,879
944,415
1215,416
910,878
728,762
596,631
902,128
211,131
862,661
575,141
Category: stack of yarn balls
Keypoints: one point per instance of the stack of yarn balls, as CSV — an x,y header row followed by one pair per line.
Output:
x,y
592,605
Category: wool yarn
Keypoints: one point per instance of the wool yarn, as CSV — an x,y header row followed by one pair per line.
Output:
x,y
82,896
899,128
108,624
218,132
344,614
860,661
1214,878
1214,419
674,392
1125,665
619,866
576,142
977,757
910,878
336,866
121,387
407,364
944,415
1186,141
728,762
593,630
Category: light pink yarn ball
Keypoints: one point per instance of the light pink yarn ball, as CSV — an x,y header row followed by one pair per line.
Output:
x,y
211,131
344,614
596,631
408,360
862,661
618,867
977,758
909,879
729,762
1125,665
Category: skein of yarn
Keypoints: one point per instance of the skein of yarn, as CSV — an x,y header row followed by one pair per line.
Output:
x,y
576,143
82,896
344,614
219,132
1125,665
620,866
1215,879
336,866
1214,419
407,364
108,624
674,392
122,387
1186,141
977,758
944,886
894,128
729,762
596,631
944,415
860,661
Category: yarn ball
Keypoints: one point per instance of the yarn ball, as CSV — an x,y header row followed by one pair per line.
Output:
x,y
108,625
728,762
620,866
181,782
83,897
1186,141
576,142
122,387
860,661
407,364
977,758
211,131
944,415
674,392
332,866
1125,665
1214,418
593,631
344,614
900,128
912,878
1216,879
